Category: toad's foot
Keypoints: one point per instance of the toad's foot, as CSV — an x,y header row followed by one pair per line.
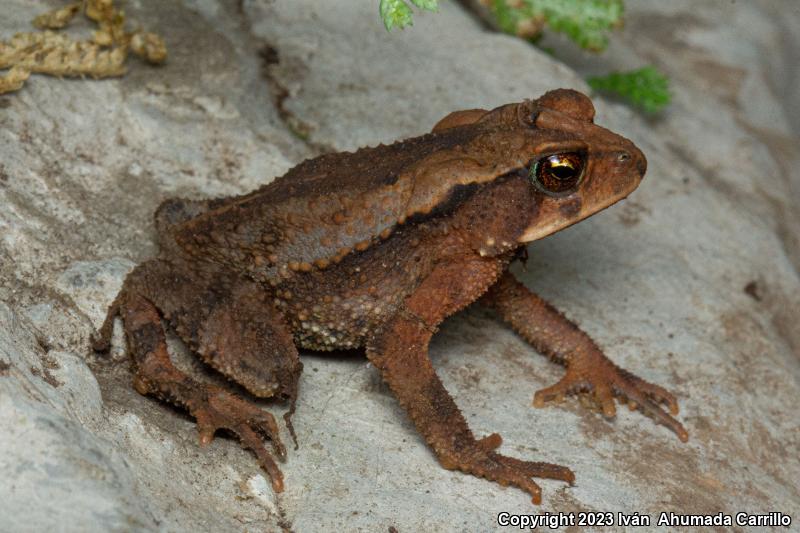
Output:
x,y
508,470
215,409
484,462
591,372
588,370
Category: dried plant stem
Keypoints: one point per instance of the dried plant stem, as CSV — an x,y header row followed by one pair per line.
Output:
x,y
14,80
57,18
56,54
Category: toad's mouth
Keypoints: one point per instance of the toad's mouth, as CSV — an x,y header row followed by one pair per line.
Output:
x,y
555,215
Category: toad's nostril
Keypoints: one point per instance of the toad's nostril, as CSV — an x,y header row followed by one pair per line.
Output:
x,y
641,165
640,160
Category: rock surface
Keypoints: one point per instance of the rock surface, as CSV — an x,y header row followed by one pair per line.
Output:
x,y
692,283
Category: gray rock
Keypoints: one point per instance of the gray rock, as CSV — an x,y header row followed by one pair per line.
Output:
x,y
692,282
57,473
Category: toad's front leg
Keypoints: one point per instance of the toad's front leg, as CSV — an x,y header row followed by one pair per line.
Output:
x,y
400,351
588,370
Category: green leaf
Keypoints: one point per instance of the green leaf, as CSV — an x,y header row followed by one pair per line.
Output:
x,y
587,22
395,13
508,18
645,88
429,5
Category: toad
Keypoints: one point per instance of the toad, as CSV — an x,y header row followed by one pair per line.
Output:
x,y
372,250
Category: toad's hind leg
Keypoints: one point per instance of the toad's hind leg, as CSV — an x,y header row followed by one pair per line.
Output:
x,y
234,327
231,323
400,352
154,373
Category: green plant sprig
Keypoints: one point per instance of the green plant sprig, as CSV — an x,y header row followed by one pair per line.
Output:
x,y
397,13
645,88
586,22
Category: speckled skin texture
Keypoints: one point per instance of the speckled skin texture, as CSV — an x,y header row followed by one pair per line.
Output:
x,y
372,250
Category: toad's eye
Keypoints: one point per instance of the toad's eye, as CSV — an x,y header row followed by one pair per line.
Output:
x,y
558,173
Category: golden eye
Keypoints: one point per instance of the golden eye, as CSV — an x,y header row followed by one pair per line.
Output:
x,y
558,172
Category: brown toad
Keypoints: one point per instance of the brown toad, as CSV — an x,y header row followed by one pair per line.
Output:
x,y
372,250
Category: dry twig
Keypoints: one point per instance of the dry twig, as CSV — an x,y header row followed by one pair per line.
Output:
x,y
57,54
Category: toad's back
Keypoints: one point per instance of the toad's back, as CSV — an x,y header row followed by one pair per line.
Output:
x,y
321,210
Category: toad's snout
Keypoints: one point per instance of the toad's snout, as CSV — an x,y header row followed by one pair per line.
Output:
x,y
640,161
